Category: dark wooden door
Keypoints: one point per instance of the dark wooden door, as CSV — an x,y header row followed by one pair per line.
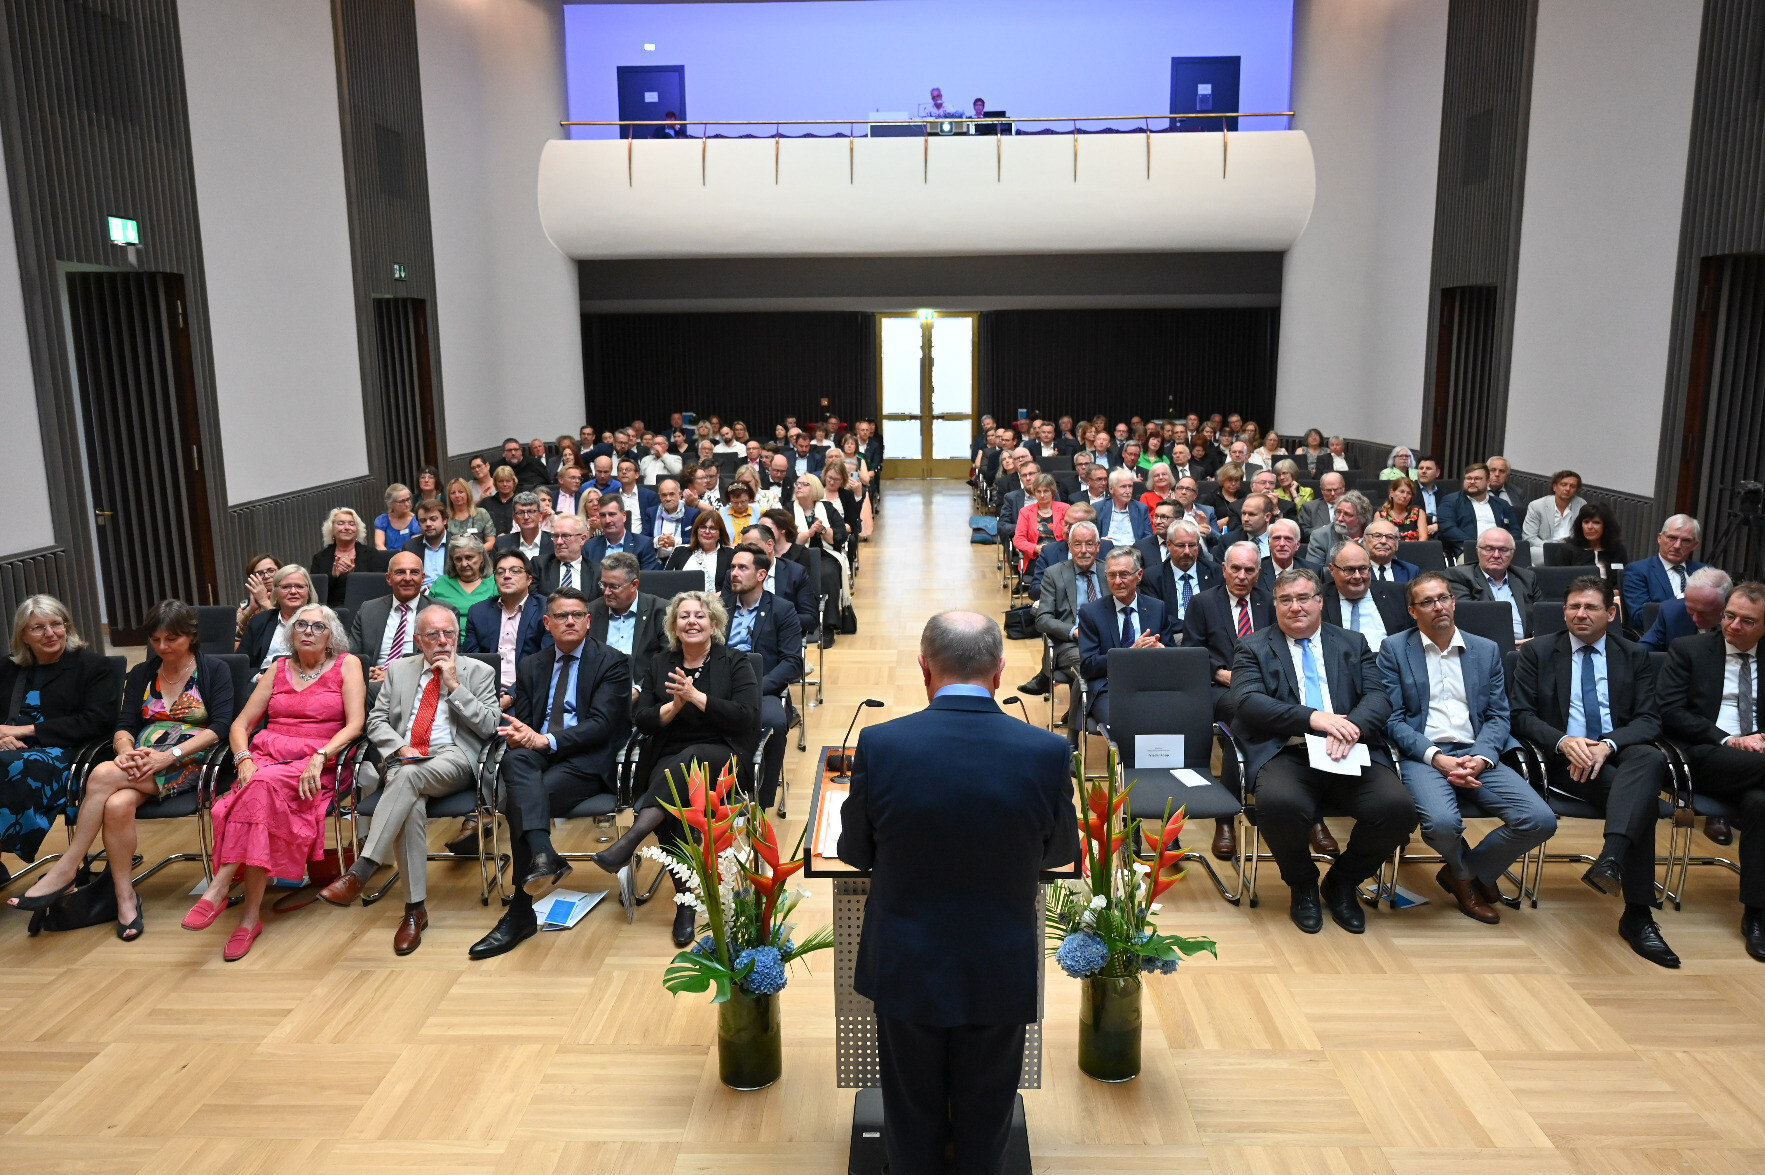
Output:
x,y
407,390
143,448
1462,425
1723,447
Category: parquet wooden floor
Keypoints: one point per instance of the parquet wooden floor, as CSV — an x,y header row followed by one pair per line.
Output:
x,y
1430,1045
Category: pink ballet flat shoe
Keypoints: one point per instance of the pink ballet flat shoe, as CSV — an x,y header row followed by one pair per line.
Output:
x,y
202,915
239,944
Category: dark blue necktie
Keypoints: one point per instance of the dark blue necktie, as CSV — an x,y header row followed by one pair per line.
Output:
x,y
1590,695
1127,627
1188,591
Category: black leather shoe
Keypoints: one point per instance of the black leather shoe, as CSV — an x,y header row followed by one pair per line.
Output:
x,y
1606,876
1645,939
1345,905
509,932
1307,912
547,870
685,917
1718,830
1752,928
1035,686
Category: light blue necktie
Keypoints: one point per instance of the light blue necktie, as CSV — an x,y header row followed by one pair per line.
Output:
x,y
1354,615
1314,693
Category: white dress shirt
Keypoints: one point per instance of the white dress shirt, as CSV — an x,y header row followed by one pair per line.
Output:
x,y
635,523
578,572
1728,717
1295,650
1484,511
409,613
1449,710
1372,625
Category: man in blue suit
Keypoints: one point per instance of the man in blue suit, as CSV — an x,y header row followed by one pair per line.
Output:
x,y
760,622
516,606
1663,576
614,537
1128,619
1449,724
1381,540
805,457
957,799
1473,510
788,581
1121,519
1700,611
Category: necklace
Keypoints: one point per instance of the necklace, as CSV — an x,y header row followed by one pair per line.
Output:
x,y
305,676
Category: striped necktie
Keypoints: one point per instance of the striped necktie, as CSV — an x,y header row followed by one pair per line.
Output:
x,y
1244,626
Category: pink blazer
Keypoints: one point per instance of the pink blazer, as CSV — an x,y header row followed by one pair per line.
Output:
x,y
1025,538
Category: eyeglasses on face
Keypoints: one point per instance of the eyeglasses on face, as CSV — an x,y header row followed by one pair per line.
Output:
x,y
311,626
1432,602
571,617
1295,601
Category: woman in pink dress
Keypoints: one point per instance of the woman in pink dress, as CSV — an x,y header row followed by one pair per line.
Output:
x,y
272,822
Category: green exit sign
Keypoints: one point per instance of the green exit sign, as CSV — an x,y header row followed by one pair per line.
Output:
x,y
398,273
124,232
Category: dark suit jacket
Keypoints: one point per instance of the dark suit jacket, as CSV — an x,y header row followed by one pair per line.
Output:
x,y
1647,580
368,630
1053,553
1265,700
813,462
1458,522
1405,667
731,715
778,637
484,623
551,571
922,786
791,582
1402,571
367,558
1690,690
1469,583
1210,623
595,550
530,472
512,542
1539,691
1672,621
79,696
260,630
1266,580
1236,535
687,515
1162,580
603,704
1394,613
646,640
1099,632
646,501
1139,518
678,557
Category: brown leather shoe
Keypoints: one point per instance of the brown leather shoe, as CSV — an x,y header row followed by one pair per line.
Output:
x,y
1471,903
344,891
1323,842
1718,830
1491,894
409,935
465,844
1225,840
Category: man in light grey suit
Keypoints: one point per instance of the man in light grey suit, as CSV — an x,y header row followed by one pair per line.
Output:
x,y
429,724
1449,724
385,628
1066,587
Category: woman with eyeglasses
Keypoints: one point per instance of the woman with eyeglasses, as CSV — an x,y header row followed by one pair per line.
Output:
x,y
709,552
260,570
271,823
398,526
468,581
291,589
59,695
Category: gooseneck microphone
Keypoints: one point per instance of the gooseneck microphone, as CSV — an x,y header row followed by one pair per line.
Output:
x,y
1014,700
845,763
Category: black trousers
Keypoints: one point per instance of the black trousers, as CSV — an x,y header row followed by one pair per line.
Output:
x,y
1628,787
1290,797
947,1085
1738,776
535,789
775,718
668,778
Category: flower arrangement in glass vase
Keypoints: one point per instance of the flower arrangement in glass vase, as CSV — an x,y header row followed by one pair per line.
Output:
x,y
737,879
1101,930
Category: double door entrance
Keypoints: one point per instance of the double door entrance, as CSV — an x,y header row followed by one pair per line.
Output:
x,y
926,376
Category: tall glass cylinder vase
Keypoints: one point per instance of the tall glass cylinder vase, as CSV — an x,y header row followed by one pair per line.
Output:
x,y
1109,1027
750,1050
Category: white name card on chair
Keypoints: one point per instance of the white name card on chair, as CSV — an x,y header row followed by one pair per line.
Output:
x,y
1155,752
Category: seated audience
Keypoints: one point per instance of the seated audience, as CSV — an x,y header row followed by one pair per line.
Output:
x,y
510,627
398,526
1287,487
1041,521
1055,552
1381,543
344,552
1596,540
852,504
1160,486
266,635
759,623
1186,494
659,462
572,713
1128,619
530,472
1552,519
1500,487
700,703
259,595
1093,484
428,483
615,536
1709,699
569,452
741,510
1121,519
1428,492
624,617
1586,698
1349,525
500,503
818,526
1406,514
1180,574
1066,587
1449,725
385,627
707,551
527,537
1467,514
468,580
430,545
788,580
1401,463
464,520
1494,577
272,822
562,496
1300,678
668,524
482,484
431,720
639,501
1699,611
60,695
1283,539
1355,601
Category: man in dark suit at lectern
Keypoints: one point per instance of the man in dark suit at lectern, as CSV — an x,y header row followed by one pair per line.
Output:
x,y
955,811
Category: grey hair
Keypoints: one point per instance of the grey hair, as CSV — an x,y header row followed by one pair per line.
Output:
x,y
1295,575
1287,465
1182,524
714,611
622,561
1334,440
1697,528
1287,521
1391,461
466,543
1121,471
337,639
1073,530
1714,578
1242,545
1124,552
33,606
525,498
450,613
956,647
1363,506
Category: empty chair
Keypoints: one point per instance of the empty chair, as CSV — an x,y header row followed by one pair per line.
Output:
x,y
1426,554
668,584
1547,618
1493,619
215,624
364,586
1554,581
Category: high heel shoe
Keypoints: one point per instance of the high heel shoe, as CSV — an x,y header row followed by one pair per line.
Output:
x,y
131,931
239,942
203,914
31,904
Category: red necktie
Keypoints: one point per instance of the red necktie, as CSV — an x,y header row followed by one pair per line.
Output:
x,y
425,720
1244,628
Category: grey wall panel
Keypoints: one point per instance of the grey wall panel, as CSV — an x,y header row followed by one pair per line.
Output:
x,y
287,526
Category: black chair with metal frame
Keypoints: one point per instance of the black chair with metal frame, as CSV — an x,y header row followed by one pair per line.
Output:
x,y
1426,554
1554,581
363,586
1547,618
665,585
1557,554
1493,619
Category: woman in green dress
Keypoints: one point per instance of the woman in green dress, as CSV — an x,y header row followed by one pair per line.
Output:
x,y
468,583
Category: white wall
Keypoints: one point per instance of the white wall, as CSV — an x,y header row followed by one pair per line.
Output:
x,y
264,127
1605,180
509,315
25,525
1367,82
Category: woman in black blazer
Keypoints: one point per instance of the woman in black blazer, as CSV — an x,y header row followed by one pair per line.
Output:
x,y
710,550
700,701
292,589
1596,540
58,695
343,530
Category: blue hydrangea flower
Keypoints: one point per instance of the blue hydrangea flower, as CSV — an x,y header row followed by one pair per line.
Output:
x,y
1082,954
706,946
1161,966
768,976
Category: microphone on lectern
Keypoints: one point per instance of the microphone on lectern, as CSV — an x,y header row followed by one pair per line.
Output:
x,y
845,765
1014,700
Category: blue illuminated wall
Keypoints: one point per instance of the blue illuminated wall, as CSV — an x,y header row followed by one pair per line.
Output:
x,y
845,58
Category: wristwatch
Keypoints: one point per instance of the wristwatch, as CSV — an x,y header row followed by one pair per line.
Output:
x,y
177,752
